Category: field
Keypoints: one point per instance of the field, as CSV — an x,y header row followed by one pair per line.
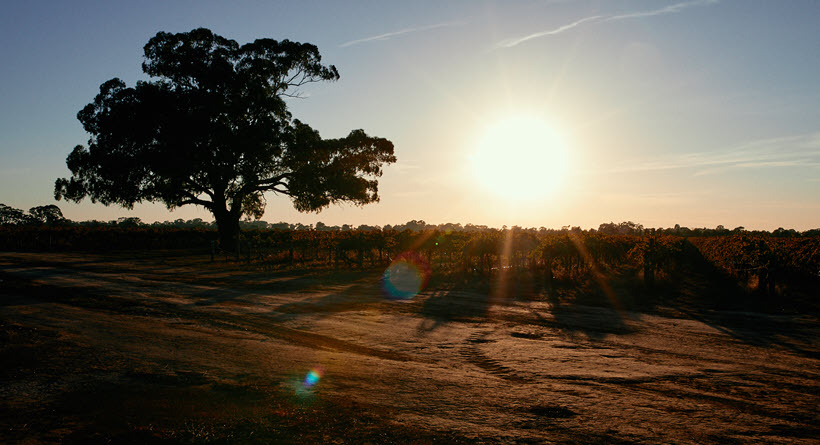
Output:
x,y
170,347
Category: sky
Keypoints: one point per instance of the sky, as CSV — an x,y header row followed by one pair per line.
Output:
x,y
699,113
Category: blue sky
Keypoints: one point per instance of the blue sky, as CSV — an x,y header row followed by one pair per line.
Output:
x,y
696,113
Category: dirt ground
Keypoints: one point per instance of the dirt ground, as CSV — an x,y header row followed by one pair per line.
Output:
x,y
170,348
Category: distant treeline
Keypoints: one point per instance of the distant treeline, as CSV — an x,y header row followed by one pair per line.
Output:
x,y
51,215
758,261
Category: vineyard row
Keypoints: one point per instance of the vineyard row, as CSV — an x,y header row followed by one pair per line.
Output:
x,y
569,255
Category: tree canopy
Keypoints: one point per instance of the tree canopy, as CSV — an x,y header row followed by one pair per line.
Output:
x,y
48,214
212,129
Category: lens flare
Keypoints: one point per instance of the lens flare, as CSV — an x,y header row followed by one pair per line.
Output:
x,y
313,376
406,276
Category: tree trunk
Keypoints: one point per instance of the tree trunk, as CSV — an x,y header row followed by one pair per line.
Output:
x,y
548,274
649,265
763,282
228,231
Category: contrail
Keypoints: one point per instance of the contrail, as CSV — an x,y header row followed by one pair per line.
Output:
x,y
389,35
509,43
671,9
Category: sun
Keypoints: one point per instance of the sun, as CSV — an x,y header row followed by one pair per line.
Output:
x,y
520,158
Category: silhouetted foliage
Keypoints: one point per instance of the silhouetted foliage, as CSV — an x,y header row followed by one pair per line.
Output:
x,y
550,259
10,215
624,228
47,214
213,129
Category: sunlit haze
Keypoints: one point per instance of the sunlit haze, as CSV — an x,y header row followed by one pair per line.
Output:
x,y
551,113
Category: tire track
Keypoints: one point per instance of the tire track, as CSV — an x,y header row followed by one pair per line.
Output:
x,y
259,325
112,295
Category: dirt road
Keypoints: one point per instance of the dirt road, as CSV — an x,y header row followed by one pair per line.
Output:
x,y
154,348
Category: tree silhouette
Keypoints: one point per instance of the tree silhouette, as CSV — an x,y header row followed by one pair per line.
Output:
x,y
213,129
47,214
10,215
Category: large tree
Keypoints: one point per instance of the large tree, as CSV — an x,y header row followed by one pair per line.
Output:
x,y
212,129
47,214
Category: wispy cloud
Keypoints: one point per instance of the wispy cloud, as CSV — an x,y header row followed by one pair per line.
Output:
x,y
671,9
783,152
390,35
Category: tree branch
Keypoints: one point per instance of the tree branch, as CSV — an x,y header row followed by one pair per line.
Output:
x,y
296,95
192,199
199,187
276,180
282,191
296,74
206,204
